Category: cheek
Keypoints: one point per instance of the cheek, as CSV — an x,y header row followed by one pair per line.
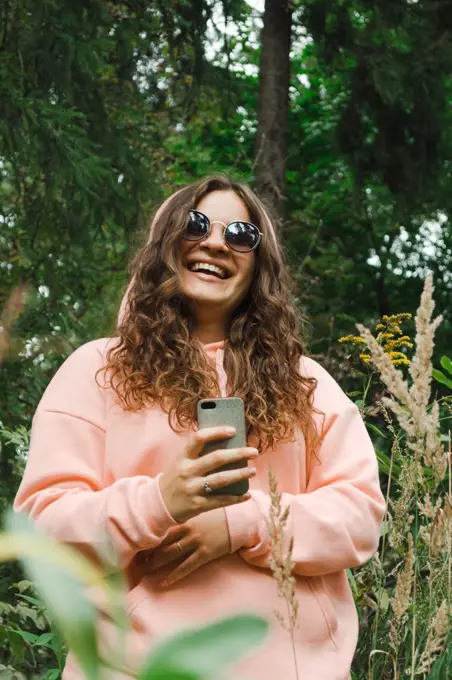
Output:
x,y
184,251
183,248
251,269
248,274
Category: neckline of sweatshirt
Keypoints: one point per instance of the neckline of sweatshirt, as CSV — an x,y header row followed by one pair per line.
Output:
x,y
215,352
211,348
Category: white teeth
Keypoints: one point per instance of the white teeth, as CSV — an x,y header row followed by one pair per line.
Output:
x,y
211,267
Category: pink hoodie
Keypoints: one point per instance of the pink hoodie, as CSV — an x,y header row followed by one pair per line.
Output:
x,y
93,470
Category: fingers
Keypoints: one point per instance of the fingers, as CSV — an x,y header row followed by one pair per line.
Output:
x,y
187,567
220,479
181,483
200,438
174,534
166,554
221,501
216,459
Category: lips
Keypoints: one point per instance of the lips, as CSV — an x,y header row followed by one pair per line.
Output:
x,y
225,269
212,278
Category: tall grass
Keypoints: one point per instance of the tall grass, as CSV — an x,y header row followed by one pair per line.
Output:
x,y
404,593
409,581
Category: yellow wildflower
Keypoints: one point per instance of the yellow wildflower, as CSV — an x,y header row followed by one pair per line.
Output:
x,y
401,362
395,355
396,318
399,342
355,339
390,337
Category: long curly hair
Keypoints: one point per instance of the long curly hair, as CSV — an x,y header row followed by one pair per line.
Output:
x,y
158,358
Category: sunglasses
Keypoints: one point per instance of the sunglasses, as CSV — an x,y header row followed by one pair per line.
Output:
x,y
240,236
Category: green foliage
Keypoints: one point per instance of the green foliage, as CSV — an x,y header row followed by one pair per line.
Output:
x,y
106,107
405,621
72,613
389,126
440,377
197,654
27,637
60,575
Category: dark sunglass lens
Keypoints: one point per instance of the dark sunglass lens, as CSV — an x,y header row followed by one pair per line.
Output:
x,y
197,226
242,236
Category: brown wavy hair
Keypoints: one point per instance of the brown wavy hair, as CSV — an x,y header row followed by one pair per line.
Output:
x,y
159,359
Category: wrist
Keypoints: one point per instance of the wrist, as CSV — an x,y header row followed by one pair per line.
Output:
x,y
244,524
164,501
227,529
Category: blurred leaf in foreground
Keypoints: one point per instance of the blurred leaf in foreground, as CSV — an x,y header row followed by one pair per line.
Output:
x,y
43,560
202,653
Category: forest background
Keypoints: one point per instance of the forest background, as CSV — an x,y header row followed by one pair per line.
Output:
x,y
337,113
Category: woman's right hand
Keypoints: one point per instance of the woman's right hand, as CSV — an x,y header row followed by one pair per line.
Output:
x,y
182,484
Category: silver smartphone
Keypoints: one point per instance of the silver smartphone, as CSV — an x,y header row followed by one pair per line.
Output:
x,y
225,411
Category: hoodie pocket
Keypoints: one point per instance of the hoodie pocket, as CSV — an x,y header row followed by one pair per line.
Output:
x,y
325,605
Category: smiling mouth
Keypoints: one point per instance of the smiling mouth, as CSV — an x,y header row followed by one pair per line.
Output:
x,y
207,276
220,275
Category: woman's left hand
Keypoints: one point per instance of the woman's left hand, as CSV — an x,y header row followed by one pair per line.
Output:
x,y
201,539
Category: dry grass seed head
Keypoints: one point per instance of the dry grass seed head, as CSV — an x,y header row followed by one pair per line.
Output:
x,y
436,639
402,596
438,534
421,365
281,562
391,377
411,411
401,516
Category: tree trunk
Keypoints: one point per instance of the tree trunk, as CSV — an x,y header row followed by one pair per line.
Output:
x,y
271,141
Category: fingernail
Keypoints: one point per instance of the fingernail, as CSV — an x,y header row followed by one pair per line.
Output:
x,y
254,453
252,470
230,430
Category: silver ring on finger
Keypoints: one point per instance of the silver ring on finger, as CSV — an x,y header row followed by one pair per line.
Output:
x,y
207,488
180,548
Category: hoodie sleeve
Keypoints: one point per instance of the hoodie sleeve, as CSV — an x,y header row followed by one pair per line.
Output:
x,y
336,523
63,488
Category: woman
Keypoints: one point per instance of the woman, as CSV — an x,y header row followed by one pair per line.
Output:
x,y
115,446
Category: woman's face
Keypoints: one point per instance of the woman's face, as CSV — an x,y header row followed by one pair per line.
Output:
x,y
217,298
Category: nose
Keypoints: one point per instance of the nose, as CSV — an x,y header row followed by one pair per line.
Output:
x,y
215,239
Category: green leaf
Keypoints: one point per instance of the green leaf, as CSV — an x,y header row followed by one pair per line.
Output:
x,y
446,363
44,640
384,528
384,463
376,429
32,600
352,581
204,652
384,600
17,645
52,674
441,378
63,595
25,635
